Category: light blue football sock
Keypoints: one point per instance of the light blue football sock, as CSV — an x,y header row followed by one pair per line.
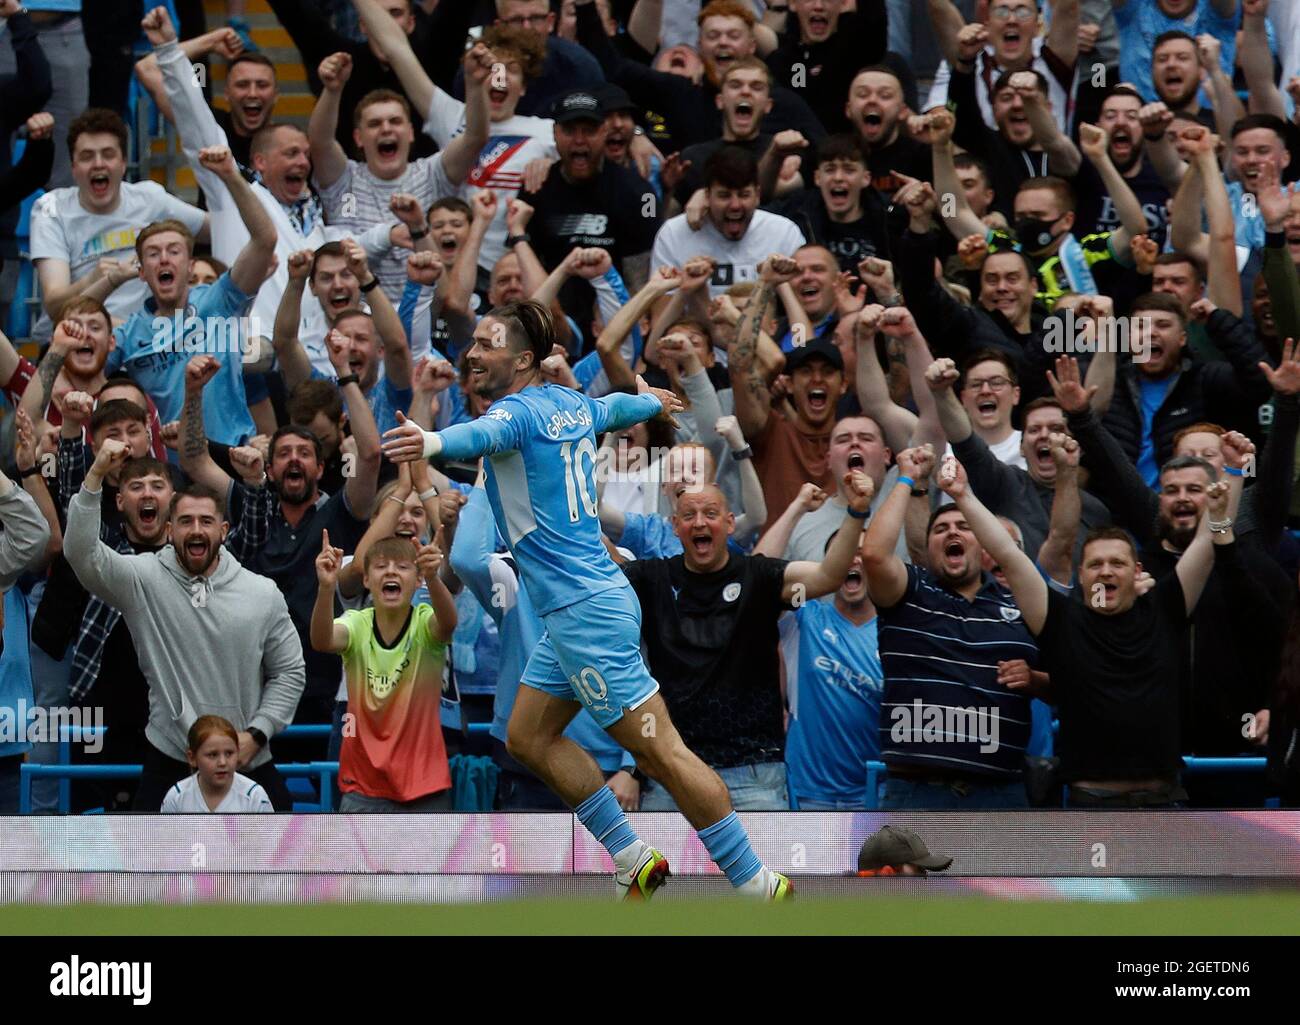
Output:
x,y
728,846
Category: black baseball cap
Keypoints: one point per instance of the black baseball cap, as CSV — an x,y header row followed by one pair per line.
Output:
x,y
894,845
579,105
818,348
614,97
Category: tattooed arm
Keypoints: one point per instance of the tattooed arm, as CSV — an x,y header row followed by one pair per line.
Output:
x,y
752,398
195,458
68,335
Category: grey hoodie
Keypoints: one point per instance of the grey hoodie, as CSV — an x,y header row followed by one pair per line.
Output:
x,y
217,645
25,535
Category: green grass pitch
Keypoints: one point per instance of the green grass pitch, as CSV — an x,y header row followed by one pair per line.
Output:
x,y
1254,914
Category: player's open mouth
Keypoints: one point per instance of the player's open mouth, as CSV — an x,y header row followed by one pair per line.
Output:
x,y
818,398
1110,591
387,148
856,461
839,193
986,407
356,364
1155,351
744,110
854,579
196,547
148,513
723,57
449,244
86,351
702,544
498,96
295,181
293,474
1043,452
166,277
100,183
252,109
818,24
391,589
1173,81
1011,37
872,118
810,291
340,299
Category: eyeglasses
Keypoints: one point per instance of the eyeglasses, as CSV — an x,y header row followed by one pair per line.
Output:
x,y
1004,13
526,20
994,383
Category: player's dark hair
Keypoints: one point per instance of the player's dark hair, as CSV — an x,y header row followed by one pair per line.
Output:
x,y
530,327
1003,81
1190,463
1042,402
1160,301
114,412
453,203
379,96
963,161
936,513
732,168
295,431
251,57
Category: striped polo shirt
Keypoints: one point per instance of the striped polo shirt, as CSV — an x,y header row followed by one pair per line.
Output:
x,y
943,708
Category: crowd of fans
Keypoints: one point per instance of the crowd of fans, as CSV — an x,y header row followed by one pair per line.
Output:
x,y
987,467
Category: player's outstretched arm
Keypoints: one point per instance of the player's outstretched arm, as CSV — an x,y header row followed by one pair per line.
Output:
x,y
1026,582
429,560
487,435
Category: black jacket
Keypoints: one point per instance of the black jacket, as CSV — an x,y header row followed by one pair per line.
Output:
x,y
1226,393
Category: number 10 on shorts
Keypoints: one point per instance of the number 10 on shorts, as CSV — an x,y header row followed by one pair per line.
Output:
x,y
590,686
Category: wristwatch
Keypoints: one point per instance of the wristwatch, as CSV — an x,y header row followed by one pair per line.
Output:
x,y
370,285
514,240
348,379
259,738
417,235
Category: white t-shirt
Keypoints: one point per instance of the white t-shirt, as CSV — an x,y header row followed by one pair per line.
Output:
x,y
245,797
62,229
359,200
737,261
511,145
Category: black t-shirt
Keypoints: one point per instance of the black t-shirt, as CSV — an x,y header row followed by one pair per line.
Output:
x,y
872,234
904,154
712,640
615,210
1116,680
289,558
1096,210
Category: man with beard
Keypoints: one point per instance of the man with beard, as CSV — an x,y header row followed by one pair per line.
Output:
x,y
1158,395
1023,495
711,635
1176,79
1098,208
74,362
791,441
1007,41
842,211
250,89
735,234
293,540
687,104
213,637
83,236
589,202
949,636
357,195
834,696
875,110
1116,659
1144,23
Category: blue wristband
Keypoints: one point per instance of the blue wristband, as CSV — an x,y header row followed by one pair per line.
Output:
x,y
903,479
1234,472
859,515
